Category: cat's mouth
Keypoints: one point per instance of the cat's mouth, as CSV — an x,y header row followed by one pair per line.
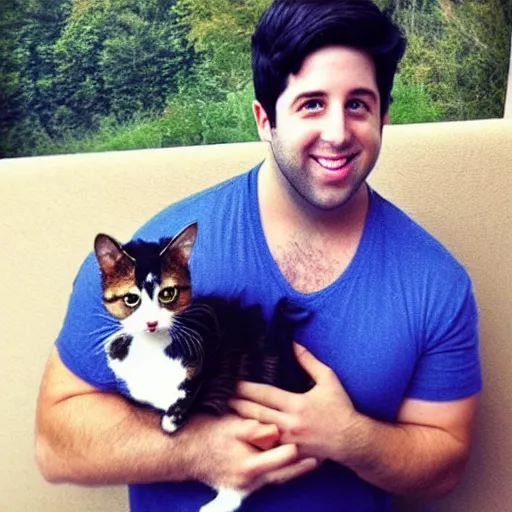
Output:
x,y
152,326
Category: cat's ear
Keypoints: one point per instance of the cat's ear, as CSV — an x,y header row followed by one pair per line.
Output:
x,y
184,241
108,252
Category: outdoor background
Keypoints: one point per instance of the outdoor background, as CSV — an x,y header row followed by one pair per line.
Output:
x,y
98,75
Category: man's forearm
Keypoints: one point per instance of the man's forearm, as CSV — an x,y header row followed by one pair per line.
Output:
x,y
98,439
423,453
406,459
88,437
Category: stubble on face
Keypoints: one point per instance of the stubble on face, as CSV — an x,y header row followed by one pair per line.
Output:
x,y
295,176
300,141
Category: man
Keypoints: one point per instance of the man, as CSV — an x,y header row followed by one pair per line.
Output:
x,y
391,335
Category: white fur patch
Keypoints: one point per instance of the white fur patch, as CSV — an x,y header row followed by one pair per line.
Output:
x,y
149,310
227,500
150,375
169,424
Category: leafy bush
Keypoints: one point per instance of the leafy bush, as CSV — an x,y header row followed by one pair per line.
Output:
x,y
191,120
186,121
412,103
89,75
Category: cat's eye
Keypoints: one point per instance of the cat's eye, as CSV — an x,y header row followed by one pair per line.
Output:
x,y
168,295
132,300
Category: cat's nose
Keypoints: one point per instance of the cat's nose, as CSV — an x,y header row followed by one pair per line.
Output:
x,y
152,325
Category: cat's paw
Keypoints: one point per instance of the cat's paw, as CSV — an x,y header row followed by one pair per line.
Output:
x,y
227,500
169,424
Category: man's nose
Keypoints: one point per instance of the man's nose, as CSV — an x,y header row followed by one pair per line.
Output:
x,y
336,128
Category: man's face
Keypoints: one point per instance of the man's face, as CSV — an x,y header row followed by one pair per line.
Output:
x,y
328,127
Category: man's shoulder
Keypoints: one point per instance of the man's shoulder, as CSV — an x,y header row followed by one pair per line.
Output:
x,y
410,242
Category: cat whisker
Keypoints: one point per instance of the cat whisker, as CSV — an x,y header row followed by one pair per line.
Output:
x,y
180,336
197,307
201,315
192,341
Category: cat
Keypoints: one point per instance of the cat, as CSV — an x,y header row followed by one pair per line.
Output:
x,y
181,354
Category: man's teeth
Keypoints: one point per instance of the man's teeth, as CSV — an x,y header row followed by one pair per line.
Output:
x,y
332,164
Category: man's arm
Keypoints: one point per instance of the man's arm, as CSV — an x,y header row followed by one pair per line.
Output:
x,y
85,436
423,453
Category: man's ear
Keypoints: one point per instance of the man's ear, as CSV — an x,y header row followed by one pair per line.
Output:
x,y
262,122
385,119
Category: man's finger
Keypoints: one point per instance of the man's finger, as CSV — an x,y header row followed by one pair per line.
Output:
x,y
263,394
313,366
264,438
254,411
272,460
299,468
260,435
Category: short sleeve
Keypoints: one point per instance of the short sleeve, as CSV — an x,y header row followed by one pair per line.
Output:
x,y
86,327
449,365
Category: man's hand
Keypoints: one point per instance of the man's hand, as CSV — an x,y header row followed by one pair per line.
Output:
x,y
423,453
238,453
316,421
77,425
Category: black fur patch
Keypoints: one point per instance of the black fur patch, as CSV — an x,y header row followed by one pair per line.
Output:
x,y
237,344
120,346
148,261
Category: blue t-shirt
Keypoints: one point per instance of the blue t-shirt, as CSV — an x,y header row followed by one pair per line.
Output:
x,y
401,321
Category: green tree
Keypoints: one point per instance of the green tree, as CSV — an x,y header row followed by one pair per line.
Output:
x,y
119,57
143,59
11,62
220,32
473,51
71,67
27,69
459,51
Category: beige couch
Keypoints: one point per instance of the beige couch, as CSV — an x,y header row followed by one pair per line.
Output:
x,y
455,178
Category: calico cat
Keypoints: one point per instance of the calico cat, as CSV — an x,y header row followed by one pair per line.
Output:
x,y
180,354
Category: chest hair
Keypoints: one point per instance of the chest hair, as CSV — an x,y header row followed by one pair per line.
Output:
x,y
308,267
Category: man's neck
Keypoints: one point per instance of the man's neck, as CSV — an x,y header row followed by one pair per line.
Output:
x,y
281,206
311,247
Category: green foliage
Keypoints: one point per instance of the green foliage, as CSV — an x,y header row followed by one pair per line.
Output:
x,y
412,103
80,61
471,77
187,120
460,52
28,31
191,120
141,64
221,30
94,75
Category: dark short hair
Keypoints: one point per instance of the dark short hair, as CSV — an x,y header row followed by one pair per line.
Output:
x,y
290,30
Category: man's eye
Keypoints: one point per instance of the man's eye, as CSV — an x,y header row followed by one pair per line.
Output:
x,y
312,105
356,105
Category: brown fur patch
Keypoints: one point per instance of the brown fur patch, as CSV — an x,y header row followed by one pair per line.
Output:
x,y
175,273
115,287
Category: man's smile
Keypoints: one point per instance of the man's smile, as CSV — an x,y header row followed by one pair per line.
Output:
x,y
334,163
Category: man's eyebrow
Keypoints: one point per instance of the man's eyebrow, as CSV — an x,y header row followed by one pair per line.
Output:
x,y
363,91
308,95
359,91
